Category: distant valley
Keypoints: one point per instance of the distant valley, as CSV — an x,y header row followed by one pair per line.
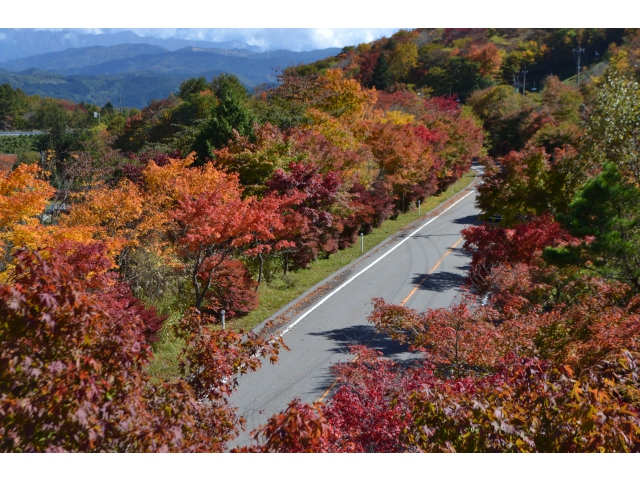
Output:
x,y
141,72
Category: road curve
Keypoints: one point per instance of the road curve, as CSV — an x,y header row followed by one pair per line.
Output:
x,y
319,334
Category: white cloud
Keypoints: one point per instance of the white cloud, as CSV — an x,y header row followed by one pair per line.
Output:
x,y
294,13
296,39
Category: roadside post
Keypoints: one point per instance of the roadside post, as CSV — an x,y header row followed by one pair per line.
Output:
x,y
222,313
418,207
361,243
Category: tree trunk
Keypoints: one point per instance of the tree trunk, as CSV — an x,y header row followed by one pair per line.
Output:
x,y
286,263
260,271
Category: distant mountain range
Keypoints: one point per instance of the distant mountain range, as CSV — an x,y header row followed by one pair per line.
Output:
x,y
141,72
25,42
137,89
130,58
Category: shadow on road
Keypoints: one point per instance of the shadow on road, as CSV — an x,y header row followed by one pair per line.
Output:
x,y
439,281
468,220
426,235
364,335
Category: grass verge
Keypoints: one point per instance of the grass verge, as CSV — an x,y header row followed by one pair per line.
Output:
x,y
281,290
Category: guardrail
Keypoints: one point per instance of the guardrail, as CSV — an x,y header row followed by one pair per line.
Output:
x,y
18,134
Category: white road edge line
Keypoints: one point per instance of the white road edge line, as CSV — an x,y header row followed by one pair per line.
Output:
x,y
333,292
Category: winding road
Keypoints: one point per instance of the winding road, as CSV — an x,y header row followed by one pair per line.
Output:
x,y
421,267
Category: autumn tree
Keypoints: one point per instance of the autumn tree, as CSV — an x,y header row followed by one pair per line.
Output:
x,y
455,134
448,336
62,350
529,183
317,196
403,58
300,428
488,56
207,226
403,160
255,162
523,243
528,406
232,287
23,196
88,365
504,114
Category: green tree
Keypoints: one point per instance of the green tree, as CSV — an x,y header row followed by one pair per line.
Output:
x,y
191,87
13,104
607,208
613,128
381,76
107,110
231,113
60,138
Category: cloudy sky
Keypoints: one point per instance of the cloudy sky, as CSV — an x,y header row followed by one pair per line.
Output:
x,y
268,23
296,39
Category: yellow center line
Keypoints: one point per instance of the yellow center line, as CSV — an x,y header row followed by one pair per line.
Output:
x,y
333,384
430,272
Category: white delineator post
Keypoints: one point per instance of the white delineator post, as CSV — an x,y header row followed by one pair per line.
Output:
x,y
362,243
222,314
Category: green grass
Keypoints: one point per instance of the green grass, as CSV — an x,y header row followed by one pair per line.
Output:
x,y
164,365
594,70
280,290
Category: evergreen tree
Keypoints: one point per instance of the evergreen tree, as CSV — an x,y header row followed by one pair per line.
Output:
x,y
12,104
230,113
608,209
381,77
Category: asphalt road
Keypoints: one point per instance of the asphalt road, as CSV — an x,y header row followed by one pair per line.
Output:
x,y
318,335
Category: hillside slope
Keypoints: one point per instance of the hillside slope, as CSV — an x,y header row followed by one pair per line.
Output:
x,y
142,77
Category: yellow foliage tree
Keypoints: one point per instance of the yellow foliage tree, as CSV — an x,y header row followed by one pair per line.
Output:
x,y
23,199
403,58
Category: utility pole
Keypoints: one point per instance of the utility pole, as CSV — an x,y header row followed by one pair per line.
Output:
x,y
577,53
516,83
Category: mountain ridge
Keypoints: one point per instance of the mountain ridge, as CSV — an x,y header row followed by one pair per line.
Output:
x,y
21,42
141,78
